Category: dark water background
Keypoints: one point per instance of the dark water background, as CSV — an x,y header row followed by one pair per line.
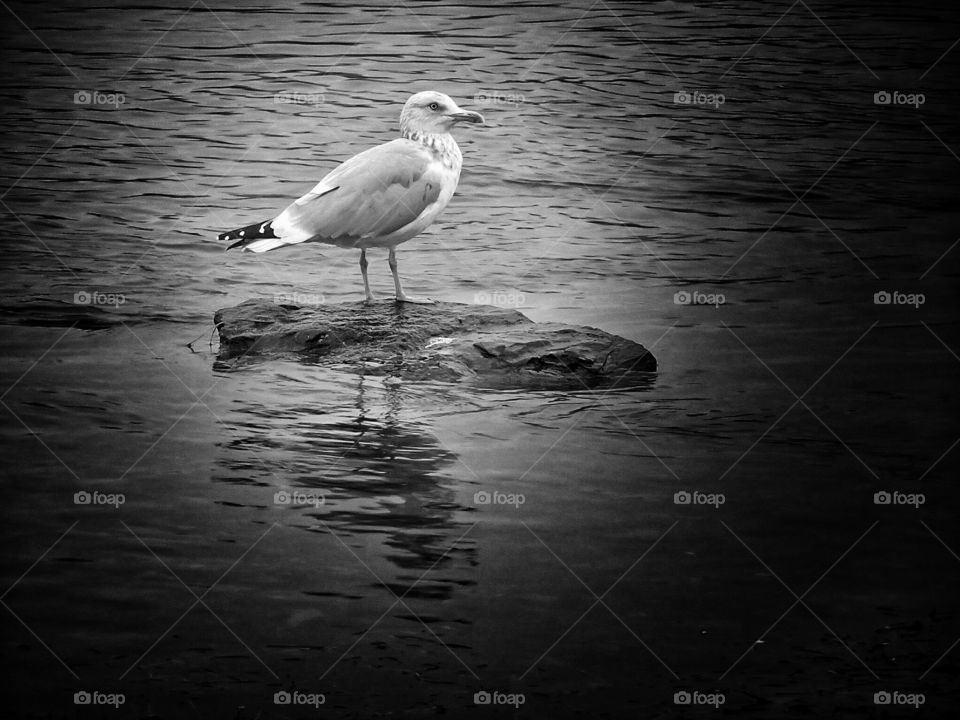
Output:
x,y
593,197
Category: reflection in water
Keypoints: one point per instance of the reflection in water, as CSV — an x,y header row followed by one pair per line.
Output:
x,y
376,465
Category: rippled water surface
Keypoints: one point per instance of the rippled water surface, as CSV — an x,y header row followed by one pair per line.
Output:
x,y
635,155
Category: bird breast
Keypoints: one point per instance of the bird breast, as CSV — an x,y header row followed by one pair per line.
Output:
x,y
444,149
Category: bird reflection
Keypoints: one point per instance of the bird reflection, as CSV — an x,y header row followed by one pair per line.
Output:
x,y
371,456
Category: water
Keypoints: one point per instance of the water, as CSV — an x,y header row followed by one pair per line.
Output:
x,y
592,196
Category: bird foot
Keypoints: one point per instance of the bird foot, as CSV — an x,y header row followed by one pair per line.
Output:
x,y
415,299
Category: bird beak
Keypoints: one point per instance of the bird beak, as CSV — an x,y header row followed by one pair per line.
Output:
x,y
466,116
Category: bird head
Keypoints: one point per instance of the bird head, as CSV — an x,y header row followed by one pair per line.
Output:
x,y
433,113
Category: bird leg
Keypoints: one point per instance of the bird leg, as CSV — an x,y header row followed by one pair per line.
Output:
x,y
363,271
401,297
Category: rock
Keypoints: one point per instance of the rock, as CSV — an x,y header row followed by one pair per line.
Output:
x,y
443,341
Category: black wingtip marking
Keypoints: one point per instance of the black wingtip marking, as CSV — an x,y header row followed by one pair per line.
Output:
x,y
246,235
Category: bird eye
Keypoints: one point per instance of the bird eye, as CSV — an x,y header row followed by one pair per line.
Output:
x,y
433,106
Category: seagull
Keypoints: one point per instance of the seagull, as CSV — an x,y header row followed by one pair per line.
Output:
x,y
380,198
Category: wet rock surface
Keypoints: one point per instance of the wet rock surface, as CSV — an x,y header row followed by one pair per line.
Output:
x,y
443,341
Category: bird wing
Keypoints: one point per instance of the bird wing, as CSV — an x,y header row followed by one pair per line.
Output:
x,y
372,194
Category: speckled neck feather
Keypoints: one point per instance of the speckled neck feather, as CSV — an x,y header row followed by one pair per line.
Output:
x,y
442,145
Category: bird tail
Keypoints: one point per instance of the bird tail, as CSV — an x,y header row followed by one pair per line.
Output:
x,y
258,237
